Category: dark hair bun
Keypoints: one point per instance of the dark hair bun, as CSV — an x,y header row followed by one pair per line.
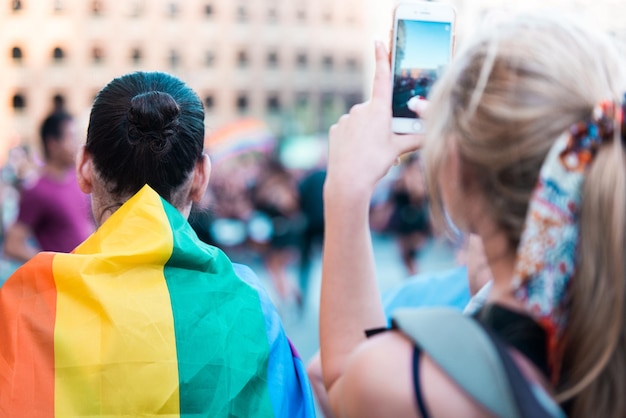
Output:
x,y
153,121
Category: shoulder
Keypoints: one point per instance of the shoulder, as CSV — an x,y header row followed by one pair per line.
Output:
x,y
272,318
378,381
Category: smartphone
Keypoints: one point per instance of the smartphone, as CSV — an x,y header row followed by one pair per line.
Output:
x,y
421,47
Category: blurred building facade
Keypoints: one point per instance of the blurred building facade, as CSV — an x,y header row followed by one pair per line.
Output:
x,y
296,64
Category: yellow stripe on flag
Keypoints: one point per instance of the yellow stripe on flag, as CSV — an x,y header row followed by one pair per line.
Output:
x,y
115,348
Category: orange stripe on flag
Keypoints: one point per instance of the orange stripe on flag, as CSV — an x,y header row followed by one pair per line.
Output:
x,y
27,312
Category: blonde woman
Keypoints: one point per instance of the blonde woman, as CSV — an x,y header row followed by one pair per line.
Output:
x,y
523,148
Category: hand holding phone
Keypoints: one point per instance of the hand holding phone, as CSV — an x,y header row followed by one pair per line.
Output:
x,y
422,44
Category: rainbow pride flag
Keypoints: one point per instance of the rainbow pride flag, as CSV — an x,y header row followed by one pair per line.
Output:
x,y
239,137
143,319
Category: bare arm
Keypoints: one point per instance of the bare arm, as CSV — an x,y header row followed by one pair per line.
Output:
x,y
378,382
16,243
362,149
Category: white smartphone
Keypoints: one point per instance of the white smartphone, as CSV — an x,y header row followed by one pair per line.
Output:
x,y
422,45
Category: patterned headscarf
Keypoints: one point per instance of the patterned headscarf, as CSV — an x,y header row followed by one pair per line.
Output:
x,y
546,256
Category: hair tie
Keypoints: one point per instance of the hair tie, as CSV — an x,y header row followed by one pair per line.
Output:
x,y
546,256
586,137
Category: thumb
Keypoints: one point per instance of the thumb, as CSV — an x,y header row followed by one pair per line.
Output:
x,y
418,105
382,76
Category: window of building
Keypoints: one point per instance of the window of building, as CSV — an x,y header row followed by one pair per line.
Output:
x,y
273,103
58,102
301,13
327,100
302,60
272,59
136,8
302,100
242,59
16,54
16,5
58,54
327,15
58,6
208,9
242,102
174,58
136,56
328,110
96,7
351,18
209,59
97,55
173,9
327,62
352,64
272,14
352,99
209,102
242,13
19,102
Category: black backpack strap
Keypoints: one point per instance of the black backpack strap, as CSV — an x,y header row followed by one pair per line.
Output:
x,y
531,399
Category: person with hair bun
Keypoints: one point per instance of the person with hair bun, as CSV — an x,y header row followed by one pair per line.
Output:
x,y
524,147
142,318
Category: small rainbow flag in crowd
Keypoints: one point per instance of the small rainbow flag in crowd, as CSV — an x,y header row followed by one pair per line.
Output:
x,y
143,319
239,137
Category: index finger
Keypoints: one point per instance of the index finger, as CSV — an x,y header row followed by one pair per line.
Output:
x,y
382,76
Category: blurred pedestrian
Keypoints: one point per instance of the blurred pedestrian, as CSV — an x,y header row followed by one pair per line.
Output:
x,y
310,191
276,200
409,219
53,215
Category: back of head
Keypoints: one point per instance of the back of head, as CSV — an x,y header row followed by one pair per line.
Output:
x,y
145,128
505,100
52,128
508,96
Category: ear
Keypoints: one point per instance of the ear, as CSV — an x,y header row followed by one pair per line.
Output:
x,y
84,170
201,175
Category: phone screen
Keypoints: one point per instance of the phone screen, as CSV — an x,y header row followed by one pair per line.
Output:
x,y
422,50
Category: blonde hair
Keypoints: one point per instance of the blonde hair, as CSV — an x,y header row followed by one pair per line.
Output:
x,y
501,104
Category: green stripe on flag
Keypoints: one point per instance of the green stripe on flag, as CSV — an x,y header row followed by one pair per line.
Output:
x,y
221,340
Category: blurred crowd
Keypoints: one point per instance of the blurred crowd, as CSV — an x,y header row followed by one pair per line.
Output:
x,y
260,208
257,206
20,169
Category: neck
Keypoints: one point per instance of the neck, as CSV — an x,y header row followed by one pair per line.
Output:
x,y
501,259
56,171
104,205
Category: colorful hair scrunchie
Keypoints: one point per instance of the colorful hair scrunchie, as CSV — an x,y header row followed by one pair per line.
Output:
x,y
546,256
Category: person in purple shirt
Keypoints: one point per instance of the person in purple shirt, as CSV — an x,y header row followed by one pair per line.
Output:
x,y
53,215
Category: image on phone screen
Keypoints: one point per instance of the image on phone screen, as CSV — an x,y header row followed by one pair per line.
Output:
x,y
422,50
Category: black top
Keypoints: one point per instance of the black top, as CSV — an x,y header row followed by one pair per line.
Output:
x,y
517,330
